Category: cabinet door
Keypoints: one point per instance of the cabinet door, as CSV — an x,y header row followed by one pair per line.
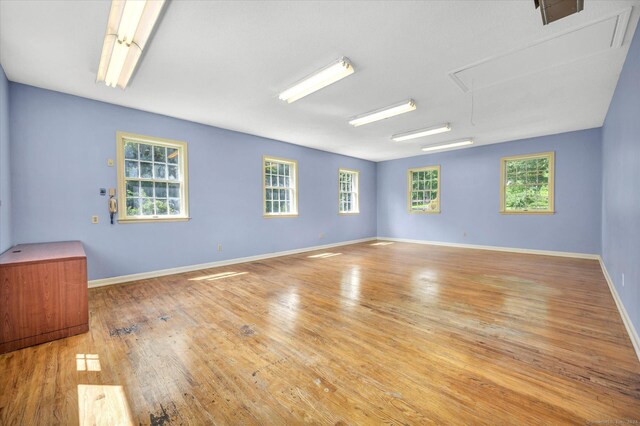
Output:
x,y
31,301
74,277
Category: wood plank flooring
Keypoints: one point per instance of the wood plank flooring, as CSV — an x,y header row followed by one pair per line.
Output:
x,y
398,333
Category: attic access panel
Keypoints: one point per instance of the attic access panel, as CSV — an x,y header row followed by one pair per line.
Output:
x,y
570,46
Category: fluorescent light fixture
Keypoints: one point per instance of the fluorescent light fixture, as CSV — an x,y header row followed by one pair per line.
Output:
x,y
333,72
422,132
448,145
383,113
128,29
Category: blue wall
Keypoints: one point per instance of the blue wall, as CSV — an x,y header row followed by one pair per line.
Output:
x,y
470,197
621,184
5,176
59,152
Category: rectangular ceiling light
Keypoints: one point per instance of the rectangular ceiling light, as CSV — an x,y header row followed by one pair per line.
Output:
x,y
422,132
333,72
448,145
128,30
383,113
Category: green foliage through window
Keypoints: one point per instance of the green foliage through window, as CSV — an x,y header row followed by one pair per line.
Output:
x,y
152,179
527,182
424,190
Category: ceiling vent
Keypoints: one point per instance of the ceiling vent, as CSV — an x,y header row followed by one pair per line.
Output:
x,y
552,10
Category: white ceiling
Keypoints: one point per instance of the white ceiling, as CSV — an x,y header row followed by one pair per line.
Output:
x,y
224,63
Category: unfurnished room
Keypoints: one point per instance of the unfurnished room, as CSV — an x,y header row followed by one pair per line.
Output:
x,y
320,212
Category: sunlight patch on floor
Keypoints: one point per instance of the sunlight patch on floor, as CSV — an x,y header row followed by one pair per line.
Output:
x,y
103,405
218,276
324,255
87,362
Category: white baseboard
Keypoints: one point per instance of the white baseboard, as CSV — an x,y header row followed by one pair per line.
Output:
x,y
497,248
631,330
162,272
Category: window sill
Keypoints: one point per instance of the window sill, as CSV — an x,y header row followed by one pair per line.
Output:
x,y
273,216
169,219
527,212
424,212
348,213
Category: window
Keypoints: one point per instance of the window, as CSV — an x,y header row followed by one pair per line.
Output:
x,y
280,179
527,184
152,179
424,190
348,202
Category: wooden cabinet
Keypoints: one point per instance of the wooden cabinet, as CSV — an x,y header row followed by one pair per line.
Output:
x,y
43,294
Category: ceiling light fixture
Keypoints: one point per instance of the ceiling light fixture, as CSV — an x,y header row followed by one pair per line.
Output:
x,y
128,29
422,132
333,72
381,114
448,145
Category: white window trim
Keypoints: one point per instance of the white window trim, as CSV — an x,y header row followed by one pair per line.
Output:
x,y
294,189
410,189
356,174
123,217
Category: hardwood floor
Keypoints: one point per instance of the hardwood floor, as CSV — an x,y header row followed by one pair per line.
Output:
x,y
397,333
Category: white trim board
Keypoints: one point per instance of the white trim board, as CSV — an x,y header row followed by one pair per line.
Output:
x,y
497,248
631,330
172,271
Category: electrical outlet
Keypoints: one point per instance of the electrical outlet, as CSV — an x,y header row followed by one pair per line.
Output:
x,y
94,219
110,162
623,279
321,235
219,247
464,234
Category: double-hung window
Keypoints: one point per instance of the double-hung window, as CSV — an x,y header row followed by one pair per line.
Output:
x,y
423,190
348,202
526,184
152,179
280,178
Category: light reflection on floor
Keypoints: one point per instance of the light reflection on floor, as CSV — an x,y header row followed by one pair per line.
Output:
x,y
283,311
350,285
424,285
382,243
